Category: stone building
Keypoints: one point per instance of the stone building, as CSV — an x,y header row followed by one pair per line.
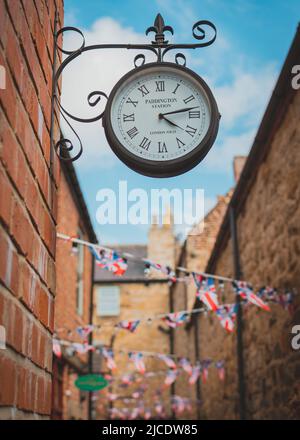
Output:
x,y
135,296
29,178
194,256
266,207
73,300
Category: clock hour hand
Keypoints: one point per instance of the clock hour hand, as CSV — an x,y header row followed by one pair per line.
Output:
x,y
180,111
161,116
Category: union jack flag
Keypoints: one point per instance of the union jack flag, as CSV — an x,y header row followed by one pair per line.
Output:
x,y
171,377
127,379
112,396
221,369
267,292
206,291
168,360
159,408
82,348
57,348
109,357
186,365
226,315
175,319
134,414
164,269
128,325
137,359
178,404
85,331
246,292
205,364
147,414
196,371
109,260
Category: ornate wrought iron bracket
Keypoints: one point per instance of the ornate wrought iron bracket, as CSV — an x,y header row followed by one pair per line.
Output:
x,y
160,46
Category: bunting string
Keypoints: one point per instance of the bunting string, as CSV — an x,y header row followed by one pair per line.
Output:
x,y
110,259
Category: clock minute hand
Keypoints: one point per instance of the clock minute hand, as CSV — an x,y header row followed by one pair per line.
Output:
x,y
161,116
180,111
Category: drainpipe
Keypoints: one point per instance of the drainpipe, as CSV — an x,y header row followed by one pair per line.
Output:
x,y
240,347
90,353
172,345
197,355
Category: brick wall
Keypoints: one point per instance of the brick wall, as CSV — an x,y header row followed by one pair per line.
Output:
x,y
69,220
27,207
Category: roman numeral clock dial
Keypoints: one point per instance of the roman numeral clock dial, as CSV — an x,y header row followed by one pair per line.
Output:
x,y
161,119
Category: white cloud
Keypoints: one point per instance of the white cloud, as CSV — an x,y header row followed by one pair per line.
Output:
x,y
241,92
220,157
96,70
245,96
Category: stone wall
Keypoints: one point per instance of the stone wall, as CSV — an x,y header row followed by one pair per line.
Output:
x,y
194,256
138,301
269,241
268,226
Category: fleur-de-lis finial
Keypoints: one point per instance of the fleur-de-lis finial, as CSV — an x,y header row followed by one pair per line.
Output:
x,y
159,28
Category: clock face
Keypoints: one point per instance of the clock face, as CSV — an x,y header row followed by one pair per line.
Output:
x,y
157,118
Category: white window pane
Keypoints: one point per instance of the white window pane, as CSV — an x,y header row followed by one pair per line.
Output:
x,y
108,301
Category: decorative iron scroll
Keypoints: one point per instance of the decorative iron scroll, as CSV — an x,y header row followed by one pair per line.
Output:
x,y
160,46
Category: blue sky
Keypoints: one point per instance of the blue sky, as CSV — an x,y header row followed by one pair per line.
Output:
x,y
241,69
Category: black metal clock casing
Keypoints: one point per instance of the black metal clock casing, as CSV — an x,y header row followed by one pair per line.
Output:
x,y
161,119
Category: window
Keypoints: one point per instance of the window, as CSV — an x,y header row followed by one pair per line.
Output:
x,y
108,301
80,270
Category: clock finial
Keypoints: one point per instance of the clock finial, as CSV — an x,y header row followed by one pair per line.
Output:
x,y
159,28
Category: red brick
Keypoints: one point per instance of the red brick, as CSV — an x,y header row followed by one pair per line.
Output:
x,y
14,56
48,397
35,338
6,195
51,315
37,35
49,232
17,334
3,255
27,200
7,380
24,283
43,306
8,96
10,147
24,398
20,227
42,351
32,197
22,173
3,19
14,279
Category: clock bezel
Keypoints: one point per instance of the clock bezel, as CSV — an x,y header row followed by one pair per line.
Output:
x,y
167,168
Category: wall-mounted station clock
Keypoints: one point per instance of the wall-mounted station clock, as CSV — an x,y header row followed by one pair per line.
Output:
x,y
161,119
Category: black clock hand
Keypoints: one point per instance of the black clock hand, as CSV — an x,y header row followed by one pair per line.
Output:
x,y
180,111
161,116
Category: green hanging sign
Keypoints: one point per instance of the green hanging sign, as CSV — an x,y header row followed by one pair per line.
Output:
x,y
91,382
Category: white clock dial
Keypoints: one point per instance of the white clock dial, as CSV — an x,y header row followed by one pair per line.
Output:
x,y
160,114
